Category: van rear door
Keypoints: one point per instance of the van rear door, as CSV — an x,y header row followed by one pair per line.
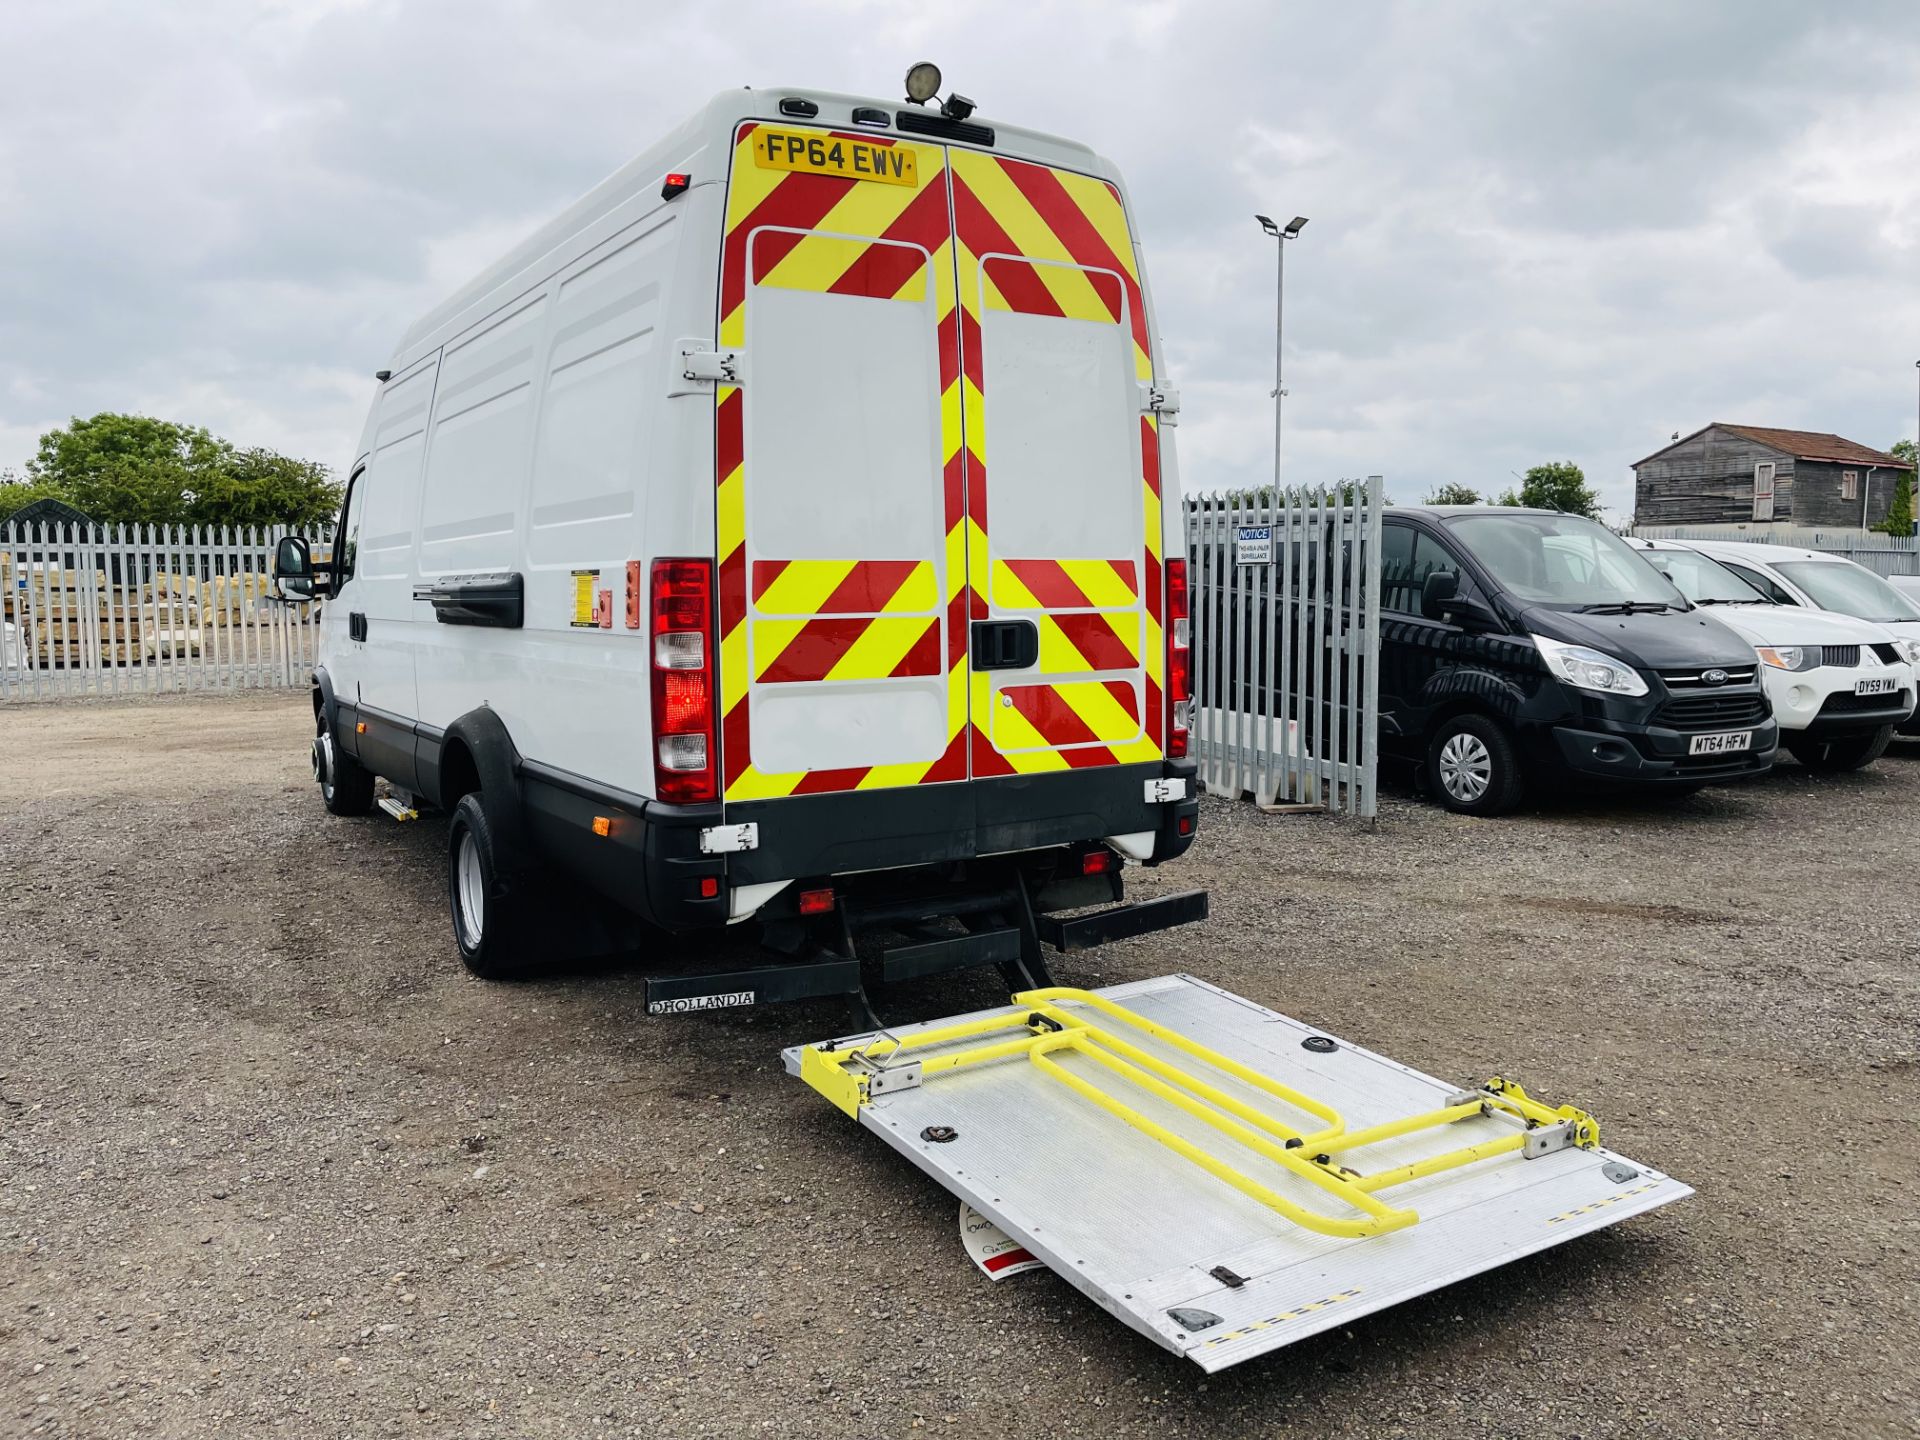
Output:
x,y
838,471
1063,474
938,513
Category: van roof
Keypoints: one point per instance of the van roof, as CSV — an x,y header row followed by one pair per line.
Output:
x,y
1446,510
680,150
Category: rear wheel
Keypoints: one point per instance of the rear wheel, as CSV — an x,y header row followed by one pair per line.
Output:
x,y
493,916
1840,752
1473,768
346,786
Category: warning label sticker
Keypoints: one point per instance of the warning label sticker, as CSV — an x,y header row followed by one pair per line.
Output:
x,y
586,585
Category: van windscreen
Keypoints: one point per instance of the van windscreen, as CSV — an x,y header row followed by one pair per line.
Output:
x,y
1564,562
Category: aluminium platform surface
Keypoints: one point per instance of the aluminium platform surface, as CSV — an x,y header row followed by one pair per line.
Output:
x,y
1140,1229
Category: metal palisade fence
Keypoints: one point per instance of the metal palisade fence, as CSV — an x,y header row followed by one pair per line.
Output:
x,y
1285,597
133,609
1883,554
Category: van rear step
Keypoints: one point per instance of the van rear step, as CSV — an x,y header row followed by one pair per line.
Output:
x,y
1224,1179
998,927
1083,932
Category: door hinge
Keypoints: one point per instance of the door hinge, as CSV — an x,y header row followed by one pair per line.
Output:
x,y
1162,400
1163,790
725,839
702,364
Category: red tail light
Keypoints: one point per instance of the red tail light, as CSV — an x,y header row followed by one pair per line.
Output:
x,y
1179,660
684,757
1098,862
816,902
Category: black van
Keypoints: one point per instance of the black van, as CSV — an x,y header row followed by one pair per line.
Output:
x,y
1517,646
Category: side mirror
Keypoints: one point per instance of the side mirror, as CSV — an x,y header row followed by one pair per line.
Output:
x,y
1436,590
293,568
292,558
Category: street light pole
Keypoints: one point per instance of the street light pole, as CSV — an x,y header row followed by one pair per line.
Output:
x,y
1280,236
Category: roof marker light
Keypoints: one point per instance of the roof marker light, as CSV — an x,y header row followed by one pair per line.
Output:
x,y
675,184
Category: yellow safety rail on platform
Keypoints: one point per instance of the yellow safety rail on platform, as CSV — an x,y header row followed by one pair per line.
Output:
x,y
846,1076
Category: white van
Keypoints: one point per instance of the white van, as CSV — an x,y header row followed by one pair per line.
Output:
x,y
790,529
1838,685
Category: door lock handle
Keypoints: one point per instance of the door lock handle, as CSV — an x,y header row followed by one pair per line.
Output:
x,y
1004,644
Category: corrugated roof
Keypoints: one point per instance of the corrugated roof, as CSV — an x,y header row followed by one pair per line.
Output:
x,y
1801,444
1817,445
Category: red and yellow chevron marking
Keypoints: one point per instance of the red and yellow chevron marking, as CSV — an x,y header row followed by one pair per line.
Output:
x,y
1057,244
841,647
843,587
1090,716
1063,584
794,620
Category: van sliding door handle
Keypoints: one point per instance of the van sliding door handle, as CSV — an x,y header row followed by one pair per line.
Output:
x,y
1004,644
356,625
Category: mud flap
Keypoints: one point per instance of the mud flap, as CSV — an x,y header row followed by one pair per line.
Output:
x,y
1136,1139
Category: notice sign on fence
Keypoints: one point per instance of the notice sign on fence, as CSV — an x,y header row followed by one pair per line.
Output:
x,y
1253,545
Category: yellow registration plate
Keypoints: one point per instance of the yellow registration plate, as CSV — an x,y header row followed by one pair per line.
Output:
x,y
818,153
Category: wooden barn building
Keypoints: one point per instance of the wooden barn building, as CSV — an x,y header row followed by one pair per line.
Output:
x,y
1734,474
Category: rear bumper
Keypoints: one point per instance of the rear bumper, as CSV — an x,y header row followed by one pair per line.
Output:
x,y
650,861
1654,755
803,836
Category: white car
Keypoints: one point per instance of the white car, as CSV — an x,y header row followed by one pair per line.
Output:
x,y
1839,685
1819,581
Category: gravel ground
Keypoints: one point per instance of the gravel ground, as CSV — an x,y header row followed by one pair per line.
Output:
x,y
270,1163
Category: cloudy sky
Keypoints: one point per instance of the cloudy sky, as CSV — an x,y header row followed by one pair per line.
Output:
x,y
1539,231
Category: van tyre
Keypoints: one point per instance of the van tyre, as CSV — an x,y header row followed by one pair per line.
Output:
x,y
1473,768
346,786
1840,752
493,918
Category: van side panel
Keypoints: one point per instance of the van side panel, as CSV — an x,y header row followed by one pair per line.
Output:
x,y
378,674
554,455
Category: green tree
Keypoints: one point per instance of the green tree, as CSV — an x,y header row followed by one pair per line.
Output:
x,y
1561,485
1453,493
134,469
16,492
1899,519
262,487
